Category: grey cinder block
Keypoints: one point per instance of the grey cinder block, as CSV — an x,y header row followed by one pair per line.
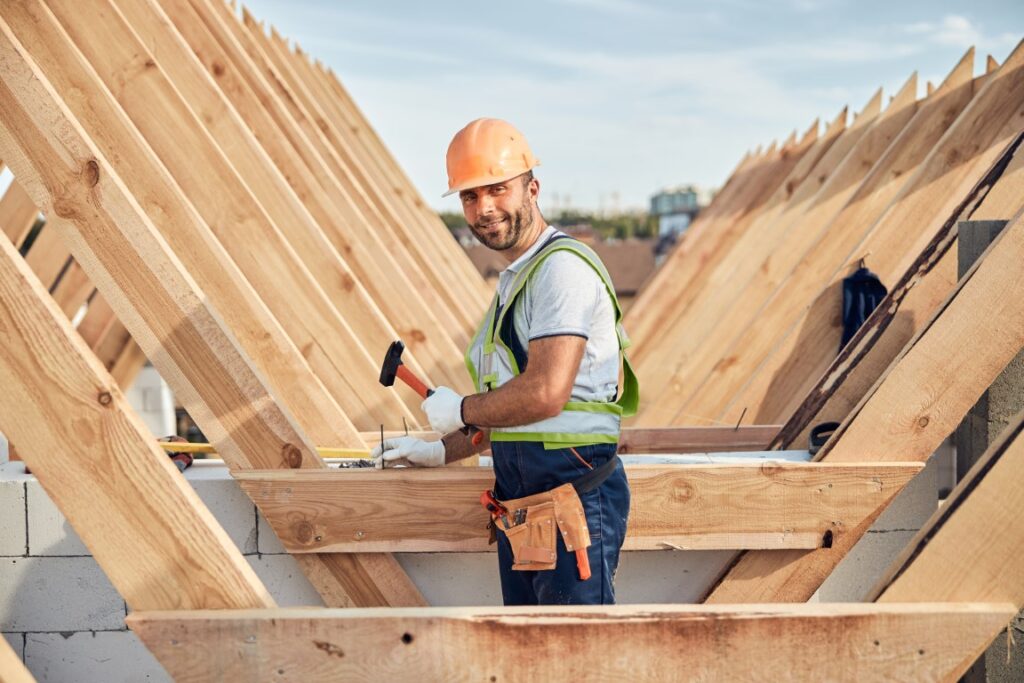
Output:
x,y
57,594
96,657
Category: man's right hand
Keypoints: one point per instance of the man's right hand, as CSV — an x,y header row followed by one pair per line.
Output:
x,y
418,452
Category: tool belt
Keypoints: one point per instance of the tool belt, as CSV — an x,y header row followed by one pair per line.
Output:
x,y
530,523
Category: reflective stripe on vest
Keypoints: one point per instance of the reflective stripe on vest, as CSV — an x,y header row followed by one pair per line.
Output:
x,y
491,363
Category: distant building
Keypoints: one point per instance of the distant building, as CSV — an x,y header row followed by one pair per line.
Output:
x,y
675,207
629,262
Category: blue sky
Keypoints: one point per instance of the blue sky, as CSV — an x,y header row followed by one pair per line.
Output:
x,y
621,97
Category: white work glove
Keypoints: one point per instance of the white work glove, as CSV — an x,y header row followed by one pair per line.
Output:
x,y
444,410
417,451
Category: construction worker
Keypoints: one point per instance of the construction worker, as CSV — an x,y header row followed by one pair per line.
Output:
x,y
545,364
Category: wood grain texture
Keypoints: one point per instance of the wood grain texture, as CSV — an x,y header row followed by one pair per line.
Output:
x,y
236,219
833,182
12,670
919,642
809,297
116,243
790,505
225,101
909,305
953,166
913,407
17,213
981,521
97,461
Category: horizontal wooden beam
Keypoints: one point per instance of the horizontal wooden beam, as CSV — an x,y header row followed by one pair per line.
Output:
x,y
765,505
697,439
662,440
819,642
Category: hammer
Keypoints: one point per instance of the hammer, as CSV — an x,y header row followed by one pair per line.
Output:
x,y
393,367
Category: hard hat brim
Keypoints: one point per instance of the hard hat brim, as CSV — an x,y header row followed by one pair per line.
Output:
x,y
485,181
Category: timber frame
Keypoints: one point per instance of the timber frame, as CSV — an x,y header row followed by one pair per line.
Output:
x,y
191,190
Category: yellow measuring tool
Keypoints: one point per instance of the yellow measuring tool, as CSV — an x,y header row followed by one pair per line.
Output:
x,y
325,452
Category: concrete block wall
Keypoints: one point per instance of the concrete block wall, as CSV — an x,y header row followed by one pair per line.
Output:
x,y
62,615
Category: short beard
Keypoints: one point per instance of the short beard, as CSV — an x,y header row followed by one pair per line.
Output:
x,y
518,223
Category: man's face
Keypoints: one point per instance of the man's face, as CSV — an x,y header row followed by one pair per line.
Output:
x,y
498,214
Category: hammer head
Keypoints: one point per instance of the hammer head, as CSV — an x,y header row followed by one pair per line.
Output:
x,y
391,362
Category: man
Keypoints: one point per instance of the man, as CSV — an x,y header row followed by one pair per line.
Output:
x,y
545,363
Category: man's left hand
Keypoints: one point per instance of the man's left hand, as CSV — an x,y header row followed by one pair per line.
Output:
x,y
444,410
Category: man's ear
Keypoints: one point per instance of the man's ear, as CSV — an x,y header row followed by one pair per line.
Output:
x,y
534,189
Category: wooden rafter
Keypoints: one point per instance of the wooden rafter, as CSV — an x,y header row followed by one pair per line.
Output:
x,y
765,505
58,401
925,393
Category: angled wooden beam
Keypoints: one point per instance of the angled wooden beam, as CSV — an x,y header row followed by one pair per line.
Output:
x,y
127,254
962,156
765,505
261,432
96,460
17,213
224,101
234,216
847,642
909,305
459,291
12,669
802,301
177,327
981,521
925,393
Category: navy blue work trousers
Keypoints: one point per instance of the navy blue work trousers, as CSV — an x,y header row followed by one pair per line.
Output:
x,y
524,468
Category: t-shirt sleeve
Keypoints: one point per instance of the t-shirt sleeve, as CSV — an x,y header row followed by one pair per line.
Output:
x,y
564,292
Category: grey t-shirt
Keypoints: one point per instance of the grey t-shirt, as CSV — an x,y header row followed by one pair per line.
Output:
x,y
565,296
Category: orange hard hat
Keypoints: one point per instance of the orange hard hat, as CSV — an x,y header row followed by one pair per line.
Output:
x,y
485,152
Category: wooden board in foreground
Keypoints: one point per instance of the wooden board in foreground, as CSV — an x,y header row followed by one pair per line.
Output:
x,y
848,642
12,670
768,506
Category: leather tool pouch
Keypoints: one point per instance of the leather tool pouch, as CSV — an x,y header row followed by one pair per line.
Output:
x,y
534,542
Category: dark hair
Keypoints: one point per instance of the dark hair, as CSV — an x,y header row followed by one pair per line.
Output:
x,y
527,177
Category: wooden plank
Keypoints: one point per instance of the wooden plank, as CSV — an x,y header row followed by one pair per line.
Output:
x,y
236,218
913,407
696,439
128,364
847,642
981,521
170,317
48,256
956,163
301,391
276,169
705,331
348,114
639,441
419,220
765,505
115,242
17,213
73,289
918,399
909,305
96,460
711,238
12,669
456,292
799,298
720,278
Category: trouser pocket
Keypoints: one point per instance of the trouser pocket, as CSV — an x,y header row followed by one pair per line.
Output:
x,y
534,541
